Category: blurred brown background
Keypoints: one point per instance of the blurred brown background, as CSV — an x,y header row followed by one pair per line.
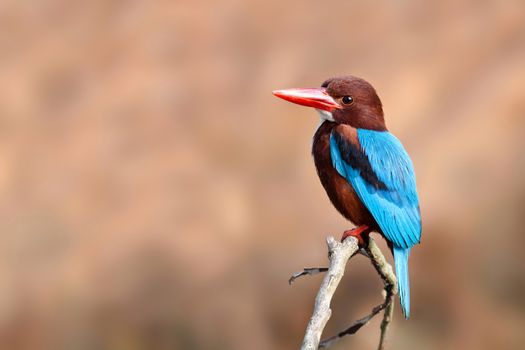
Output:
x,y
155,195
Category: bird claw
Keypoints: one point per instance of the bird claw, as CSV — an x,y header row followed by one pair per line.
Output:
x,y
363,252
360,232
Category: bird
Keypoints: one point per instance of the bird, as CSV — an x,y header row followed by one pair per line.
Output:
x,y
365,170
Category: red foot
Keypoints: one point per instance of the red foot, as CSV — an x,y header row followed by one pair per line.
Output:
x,y
360,232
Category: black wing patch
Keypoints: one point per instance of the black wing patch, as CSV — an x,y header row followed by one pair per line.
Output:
x,y
354,157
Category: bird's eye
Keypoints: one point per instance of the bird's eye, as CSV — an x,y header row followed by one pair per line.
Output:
x,y
347,100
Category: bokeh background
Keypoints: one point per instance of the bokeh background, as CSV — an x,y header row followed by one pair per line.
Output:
x,y
155,195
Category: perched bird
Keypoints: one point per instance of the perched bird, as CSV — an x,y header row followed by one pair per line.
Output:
x,y
364,169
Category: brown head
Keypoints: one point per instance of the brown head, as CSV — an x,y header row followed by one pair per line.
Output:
x,y
344,100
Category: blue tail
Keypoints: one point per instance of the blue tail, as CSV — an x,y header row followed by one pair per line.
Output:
x,y
401,262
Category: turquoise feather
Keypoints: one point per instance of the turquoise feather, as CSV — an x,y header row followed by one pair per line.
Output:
x,y
396,207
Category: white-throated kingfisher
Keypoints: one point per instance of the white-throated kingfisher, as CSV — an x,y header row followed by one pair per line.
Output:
x,y
364,169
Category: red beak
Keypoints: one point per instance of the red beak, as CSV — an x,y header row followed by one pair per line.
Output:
x,y
316,97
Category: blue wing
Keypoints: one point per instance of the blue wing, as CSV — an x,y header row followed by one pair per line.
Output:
x,y
383,178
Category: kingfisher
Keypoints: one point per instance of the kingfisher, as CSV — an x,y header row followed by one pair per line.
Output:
x,y
364,169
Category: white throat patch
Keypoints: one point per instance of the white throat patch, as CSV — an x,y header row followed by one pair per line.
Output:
x,y
325,115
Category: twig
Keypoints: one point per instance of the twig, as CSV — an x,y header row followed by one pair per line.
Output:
x,y
353,328
385,324
390,282
311,271
339,254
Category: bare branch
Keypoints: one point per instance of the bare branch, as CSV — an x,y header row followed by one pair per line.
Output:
x,y
383,268
338,254
389,279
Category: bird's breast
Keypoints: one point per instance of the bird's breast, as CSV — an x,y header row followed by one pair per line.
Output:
x,y
339,190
